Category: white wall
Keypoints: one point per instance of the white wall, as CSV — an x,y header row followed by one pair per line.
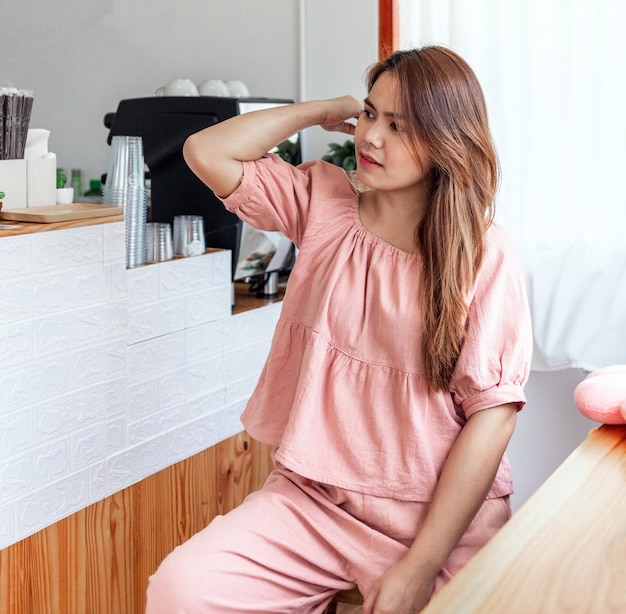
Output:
x,y
548,429
82,58
340,42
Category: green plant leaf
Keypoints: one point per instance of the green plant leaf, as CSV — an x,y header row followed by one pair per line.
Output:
x,y
349,163
61,178
341,155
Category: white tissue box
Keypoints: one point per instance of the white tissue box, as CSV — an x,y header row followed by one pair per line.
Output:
x,y
28,183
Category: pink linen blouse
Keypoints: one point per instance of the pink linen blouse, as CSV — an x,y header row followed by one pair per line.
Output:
x,y
342,394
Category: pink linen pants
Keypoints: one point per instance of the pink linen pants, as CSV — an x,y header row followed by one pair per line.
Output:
x,y
291,546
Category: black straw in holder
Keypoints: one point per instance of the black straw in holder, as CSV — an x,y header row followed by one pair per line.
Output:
x,y
16,106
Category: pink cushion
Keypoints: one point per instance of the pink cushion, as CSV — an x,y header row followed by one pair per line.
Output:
x,y
601,396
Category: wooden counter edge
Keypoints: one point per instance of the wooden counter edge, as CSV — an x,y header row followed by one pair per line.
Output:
x,y
246,300
24,228
598,464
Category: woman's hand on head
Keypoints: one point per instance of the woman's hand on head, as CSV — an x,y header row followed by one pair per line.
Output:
x,y
339,112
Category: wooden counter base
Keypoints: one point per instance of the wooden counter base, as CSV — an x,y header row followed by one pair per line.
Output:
x,y
98,560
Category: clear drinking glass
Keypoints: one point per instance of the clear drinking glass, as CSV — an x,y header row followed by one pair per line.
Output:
x,y
158,242
189,235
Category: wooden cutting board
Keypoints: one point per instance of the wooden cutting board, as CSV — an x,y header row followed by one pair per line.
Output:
x,y
59,213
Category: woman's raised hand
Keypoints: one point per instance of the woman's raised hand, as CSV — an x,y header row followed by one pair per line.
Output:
x,y
340,110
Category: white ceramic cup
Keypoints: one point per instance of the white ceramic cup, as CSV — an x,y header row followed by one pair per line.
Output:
x,y
178,87
237,89
213,87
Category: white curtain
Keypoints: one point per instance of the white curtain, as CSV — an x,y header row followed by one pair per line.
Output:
x,y
554,76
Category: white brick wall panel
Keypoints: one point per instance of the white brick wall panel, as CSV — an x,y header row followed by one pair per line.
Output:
x,y
116,319
52,461
70,329
16,343
246,327
27,297
97,482
89,365
115,359
88,286
55,418
143,399
246,361
240,389
88,446
69,419
16,433
15,255
230,420
192,438
155,319
143,284
135,463
190,382
184,275
156,424
114,241
208,305
156,356
116,397
116,279
47,294
71,247
205,341
206,403
17,477
7,524
34,382
33,469
116,436
221,268
50,503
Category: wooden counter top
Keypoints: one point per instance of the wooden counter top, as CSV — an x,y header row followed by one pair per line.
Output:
x,y
24,228
246,300
564,550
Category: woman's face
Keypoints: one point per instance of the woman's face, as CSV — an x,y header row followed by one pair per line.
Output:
x,y
384,162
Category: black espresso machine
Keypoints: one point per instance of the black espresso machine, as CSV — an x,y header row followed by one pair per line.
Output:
x,y
164,122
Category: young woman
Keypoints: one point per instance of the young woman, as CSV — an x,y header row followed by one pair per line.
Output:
x,y
397,367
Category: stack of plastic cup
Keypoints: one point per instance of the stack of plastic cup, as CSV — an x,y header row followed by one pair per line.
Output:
x,y
126,187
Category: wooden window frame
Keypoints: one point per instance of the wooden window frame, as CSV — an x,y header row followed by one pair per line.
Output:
x,y
388,34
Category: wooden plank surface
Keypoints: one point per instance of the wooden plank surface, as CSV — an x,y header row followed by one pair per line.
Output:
x,y
98,560
246,300
564,550
24,228
50,214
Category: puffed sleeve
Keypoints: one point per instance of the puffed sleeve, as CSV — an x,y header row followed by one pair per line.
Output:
x,y
494,364
273,195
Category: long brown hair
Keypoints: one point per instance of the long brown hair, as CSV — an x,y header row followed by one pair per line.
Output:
x,y
444,107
